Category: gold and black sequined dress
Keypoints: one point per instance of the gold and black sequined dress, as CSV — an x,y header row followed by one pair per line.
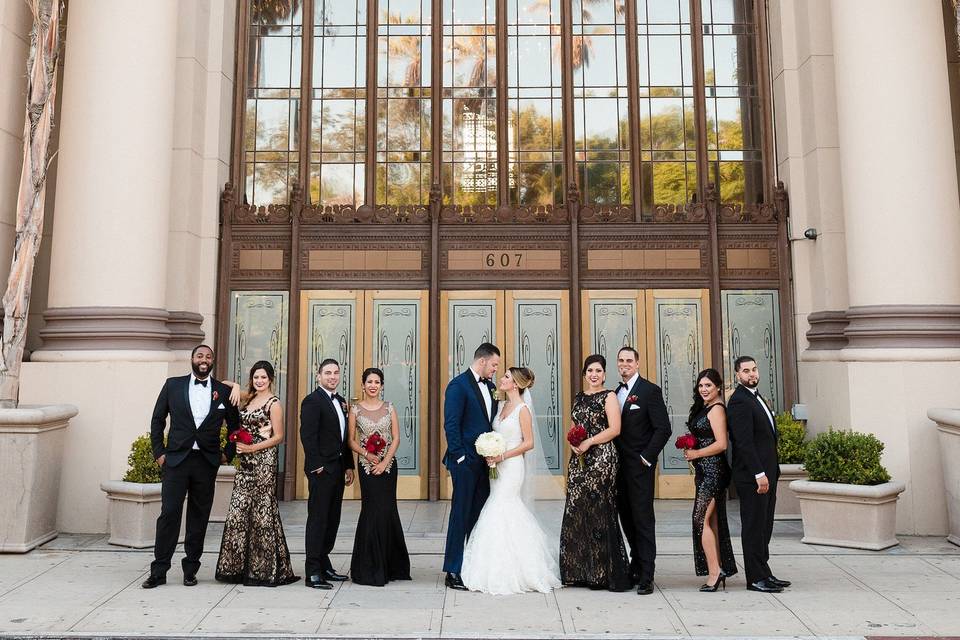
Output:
x,y
254,549
712,477
592,553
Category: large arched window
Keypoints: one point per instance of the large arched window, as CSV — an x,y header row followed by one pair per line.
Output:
x,y
503,102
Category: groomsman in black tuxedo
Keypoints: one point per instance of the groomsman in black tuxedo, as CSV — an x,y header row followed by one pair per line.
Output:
x,y
328,464
644,431
197,406
756,468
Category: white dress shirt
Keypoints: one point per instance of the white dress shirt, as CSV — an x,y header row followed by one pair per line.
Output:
x,y
755,391
338,410
484,391
622,396
199,402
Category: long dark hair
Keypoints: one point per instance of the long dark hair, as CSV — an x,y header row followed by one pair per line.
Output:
x,y
713,376
271,375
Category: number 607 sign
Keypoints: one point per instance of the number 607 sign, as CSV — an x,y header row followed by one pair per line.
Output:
x,y
503,260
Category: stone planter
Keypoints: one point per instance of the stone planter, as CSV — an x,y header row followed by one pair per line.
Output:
x,y
133,511
31,450
221,497
849,515
788,506
948,424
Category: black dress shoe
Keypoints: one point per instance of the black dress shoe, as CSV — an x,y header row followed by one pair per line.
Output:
x,y
317,582
154,581
778,582
189,580
764,586
455,582
330,574
645,588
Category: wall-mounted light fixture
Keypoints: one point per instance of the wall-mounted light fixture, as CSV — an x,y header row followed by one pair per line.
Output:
x,y
810,234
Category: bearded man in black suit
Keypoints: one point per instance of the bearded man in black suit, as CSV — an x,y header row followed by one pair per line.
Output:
x,y
197,406
756,468
328,464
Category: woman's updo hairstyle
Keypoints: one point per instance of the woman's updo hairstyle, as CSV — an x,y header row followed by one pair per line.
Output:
x,y
522,377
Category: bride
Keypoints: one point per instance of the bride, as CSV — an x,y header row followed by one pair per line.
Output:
x,y
508,552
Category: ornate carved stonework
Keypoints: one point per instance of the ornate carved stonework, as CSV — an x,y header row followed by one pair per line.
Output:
x,y
749,243
607,213
347,239
242,213
489,214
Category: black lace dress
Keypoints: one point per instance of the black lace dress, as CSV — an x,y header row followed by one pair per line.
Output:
x,y
254,549
379,549
712,477
592,553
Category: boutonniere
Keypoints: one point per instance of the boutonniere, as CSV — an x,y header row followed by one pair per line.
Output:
x,y
631,399
216,395
343,405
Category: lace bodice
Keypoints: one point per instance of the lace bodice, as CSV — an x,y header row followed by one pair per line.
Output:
x,y
509,427
370,422
257,421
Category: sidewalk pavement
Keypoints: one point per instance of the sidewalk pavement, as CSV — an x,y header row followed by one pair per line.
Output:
x,y
78,585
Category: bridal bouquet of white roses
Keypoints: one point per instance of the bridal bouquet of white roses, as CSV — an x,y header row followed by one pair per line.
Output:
x,y
490,445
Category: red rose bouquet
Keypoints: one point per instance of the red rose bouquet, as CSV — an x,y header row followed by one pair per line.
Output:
x,y
575,437
686,441
374,444
242,436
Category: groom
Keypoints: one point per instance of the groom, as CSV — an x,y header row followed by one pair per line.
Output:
x,y
469,405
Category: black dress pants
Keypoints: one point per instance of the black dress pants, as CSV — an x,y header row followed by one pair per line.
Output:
x,y
195,480
635,489
323,518
756,521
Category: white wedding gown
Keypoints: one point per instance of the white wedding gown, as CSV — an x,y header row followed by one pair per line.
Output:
x,y
508,552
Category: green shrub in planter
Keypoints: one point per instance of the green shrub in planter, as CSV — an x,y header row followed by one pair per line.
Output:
x,y
845,457
143,468
790,445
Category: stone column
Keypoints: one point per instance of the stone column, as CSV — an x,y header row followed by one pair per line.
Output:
x,y
108,266
902,222
107,340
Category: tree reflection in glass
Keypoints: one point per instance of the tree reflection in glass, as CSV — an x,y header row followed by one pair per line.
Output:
x,y
403,102
271,140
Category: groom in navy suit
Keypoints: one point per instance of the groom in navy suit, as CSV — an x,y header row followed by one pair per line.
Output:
x,y
469,405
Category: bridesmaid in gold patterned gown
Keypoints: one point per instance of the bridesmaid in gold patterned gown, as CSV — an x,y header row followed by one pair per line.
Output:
x,y
254,550
592,553
379,549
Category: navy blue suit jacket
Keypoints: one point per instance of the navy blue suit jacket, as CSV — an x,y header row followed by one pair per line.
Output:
x,y
464,418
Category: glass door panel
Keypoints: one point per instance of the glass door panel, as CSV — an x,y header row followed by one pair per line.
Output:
x,y
751,327
679,345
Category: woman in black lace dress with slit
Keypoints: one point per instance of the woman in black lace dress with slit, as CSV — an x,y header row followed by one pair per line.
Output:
x,y
712,551
592,553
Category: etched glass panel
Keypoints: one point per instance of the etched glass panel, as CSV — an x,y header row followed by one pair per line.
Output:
x,y
471,323
537,346
679,327
331,326
613,325
751,327
258,331
396,350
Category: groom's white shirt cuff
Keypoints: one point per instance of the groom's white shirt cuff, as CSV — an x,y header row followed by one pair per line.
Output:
x,y
461,459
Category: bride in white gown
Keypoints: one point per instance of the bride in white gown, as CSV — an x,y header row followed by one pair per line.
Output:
x,y
507,551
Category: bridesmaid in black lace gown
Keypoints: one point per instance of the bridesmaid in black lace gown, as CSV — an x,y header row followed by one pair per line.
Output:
x,y
379,549
592,553
712,551
254,549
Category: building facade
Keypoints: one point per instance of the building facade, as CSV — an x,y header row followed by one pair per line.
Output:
x,y
391,182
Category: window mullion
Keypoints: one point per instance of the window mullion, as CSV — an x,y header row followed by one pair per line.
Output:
x,y
503,115
569,144
306,102
633,98
436,93
700,98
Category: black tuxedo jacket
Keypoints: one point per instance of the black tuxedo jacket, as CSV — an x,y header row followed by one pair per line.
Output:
x,y
754,440
320,434
644,431
174,401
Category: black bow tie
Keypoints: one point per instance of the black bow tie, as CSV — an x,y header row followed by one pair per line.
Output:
x,y
486,381
202,383
622,385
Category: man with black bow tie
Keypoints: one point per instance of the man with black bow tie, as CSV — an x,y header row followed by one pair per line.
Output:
x,y
197,405
469,405
644,431
756,467
328,464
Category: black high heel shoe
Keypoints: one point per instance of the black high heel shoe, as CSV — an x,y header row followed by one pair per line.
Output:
x,y
721,582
